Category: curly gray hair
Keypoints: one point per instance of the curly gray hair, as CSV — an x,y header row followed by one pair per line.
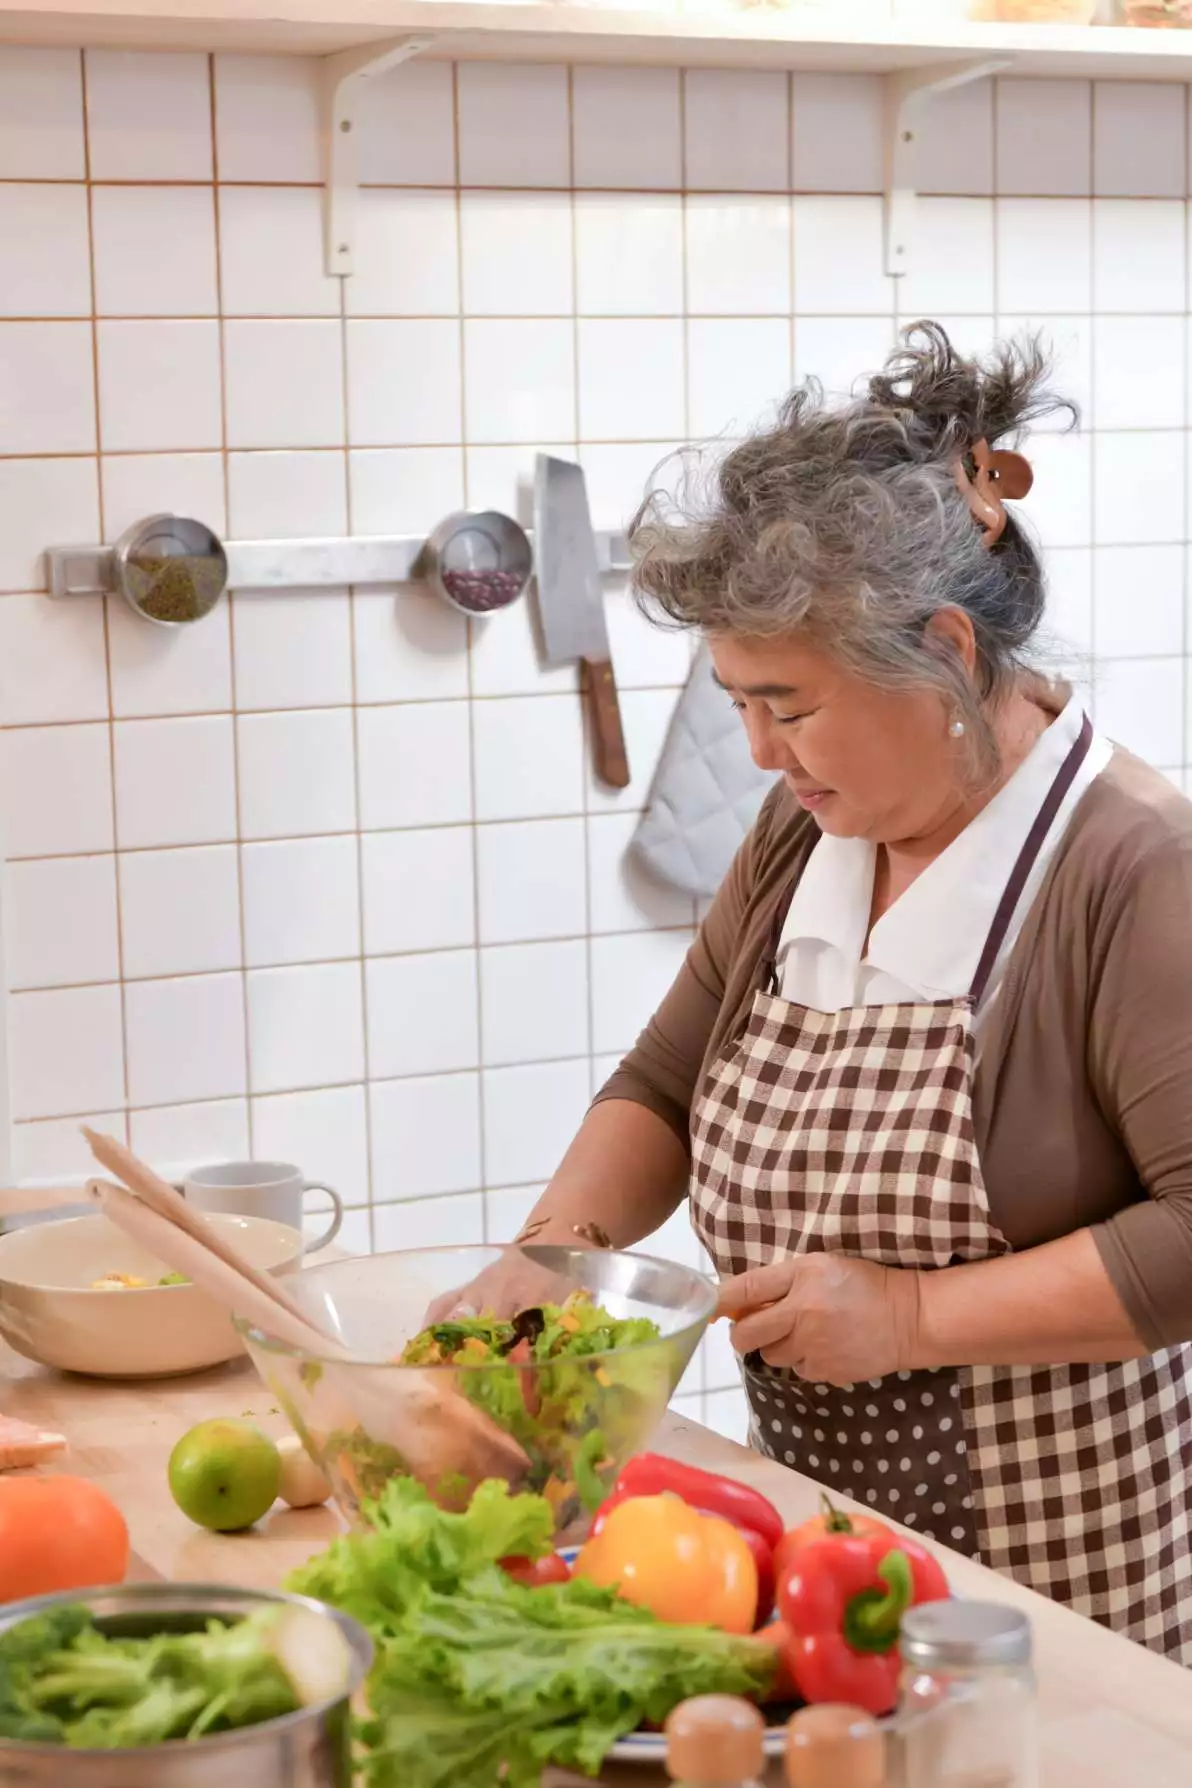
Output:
x,y
846,525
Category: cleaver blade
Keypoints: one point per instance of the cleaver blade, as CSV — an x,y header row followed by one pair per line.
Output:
x,y
571,605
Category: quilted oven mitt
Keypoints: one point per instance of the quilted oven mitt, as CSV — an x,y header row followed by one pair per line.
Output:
x,y
706,791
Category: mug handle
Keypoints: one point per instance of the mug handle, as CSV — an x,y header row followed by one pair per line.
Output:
x,y
337,1216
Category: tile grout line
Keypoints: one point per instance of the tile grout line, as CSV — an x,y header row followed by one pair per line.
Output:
x,y
470,636
122,994
791,222
713,192
685,271
477,1069
586,740
366,1065
336,707
598,442
233,675
685,252
289,966
220,843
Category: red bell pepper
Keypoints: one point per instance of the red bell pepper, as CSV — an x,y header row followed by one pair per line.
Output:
x,y
652,1475
843,1599
763,1558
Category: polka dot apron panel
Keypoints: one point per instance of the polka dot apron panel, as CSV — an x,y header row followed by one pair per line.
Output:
x,y
853,1132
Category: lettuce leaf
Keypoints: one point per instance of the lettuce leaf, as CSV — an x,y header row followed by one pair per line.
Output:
x,y
411,1546
479,1681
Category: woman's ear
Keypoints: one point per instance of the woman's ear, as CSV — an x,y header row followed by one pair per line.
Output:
x,y
951,632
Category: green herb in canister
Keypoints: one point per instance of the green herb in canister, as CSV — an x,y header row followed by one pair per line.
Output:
x,y
175,587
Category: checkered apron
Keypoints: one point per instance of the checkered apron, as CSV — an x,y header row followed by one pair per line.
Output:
x,y
853,1131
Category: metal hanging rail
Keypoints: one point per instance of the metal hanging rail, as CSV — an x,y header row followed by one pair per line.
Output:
x,y
292,564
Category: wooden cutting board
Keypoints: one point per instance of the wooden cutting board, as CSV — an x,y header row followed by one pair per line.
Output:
x,y
1112,1715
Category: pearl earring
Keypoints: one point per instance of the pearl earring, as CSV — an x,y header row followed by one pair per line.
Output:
x,y
956,728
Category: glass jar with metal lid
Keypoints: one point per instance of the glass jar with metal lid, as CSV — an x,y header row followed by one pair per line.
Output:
x,y
967,1699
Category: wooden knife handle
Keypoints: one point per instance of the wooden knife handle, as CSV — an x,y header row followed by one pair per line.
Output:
x,y
604,716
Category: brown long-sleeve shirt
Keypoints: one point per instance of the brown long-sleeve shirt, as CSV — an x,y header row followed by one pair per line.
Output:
x,y
1083,1091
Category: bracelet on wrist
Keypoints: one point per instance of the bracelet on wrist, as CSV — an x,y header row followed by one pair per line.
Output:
x,y
587,1232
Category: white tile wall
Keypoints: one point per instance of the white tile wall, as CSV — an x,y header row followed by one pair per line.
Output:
x,y
328,875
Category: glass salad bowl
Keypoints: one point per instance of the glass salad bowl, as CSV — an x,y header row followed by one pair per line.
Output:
x,y
554,1397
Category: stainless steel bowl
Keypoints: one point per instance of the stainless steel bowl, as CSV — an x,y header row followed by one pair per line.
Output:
x,y
308,1749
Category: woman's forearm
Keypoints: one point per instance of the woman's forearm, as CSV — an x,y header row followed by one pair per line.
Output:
x,y
625,1171
1052,1305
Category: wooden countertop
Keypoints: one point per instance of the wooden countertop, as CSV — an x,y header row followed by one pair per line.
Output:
x,y
1114,1715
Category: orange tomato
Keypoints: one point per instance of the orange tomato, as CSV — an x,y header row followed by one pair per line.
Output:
x,y
58,1533
782,1688
685,1567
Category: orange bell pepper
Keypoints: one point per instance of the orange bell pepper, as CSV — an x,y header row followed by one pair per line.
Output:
x,y
686,1568
649,1474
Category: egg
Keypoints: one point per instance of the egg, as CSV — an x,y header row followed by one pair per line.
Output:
x,y
303,1485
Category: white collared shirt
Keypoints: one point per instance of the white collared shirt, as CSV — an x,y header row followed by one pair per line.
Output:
x,y
928,944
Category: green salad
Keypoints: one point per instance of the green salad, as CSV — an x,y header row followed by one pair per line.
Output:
x,y
561,1379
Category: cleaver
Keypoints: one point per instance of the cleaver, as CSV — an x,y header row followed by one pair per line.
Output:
x,y
571,605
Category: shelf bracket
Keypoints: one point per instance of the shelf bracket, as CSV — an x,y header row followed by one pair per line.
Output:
x,y
907,95
343,79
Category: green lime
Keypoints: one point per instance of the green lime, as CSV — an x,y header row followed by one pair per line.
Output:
x,y
225,1474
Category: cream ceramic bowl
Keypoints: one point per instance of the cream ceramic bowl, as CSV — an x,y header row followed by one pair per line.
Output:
x,y
50,1311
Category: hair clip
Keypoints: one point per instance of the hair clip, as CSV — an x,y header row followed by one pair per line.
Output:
x,y
995,475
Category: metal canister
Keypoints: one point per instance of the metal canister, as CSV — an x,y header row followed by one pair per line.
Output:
x,y
170,569
479,561
307,1749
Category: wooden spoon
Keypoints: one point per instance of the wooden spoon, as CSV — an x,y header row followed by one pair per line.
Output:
x,y
169,1204
206,1268
439,1433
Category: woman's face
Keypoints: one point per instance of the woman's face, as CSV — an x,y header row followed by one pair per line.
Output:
x,y
868,763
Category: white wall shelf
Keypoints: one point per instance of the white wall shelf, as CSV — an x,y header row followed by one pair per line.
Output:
x,y
754,38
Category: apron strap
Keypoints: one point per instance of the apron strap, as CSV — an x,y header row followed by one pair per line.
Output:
x,y
1027,857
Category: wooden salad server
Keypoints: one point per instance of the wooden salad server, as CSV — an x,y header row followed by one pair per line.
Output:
x,y
439,1433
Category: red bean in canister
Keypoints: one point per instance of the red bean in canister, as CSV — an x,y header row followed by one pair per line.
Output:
x,y
482,591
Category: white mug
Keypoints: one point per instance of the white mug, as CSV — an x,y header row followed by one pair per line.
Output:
x,y
274,1189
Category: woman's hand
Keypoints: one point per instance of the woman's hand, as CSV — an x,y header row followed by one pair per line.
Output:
x,y
511,1284
831,1318
515,1281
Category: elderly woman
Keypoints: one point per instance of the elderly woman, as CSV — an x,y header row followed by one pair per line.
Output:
x,y
926,1074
